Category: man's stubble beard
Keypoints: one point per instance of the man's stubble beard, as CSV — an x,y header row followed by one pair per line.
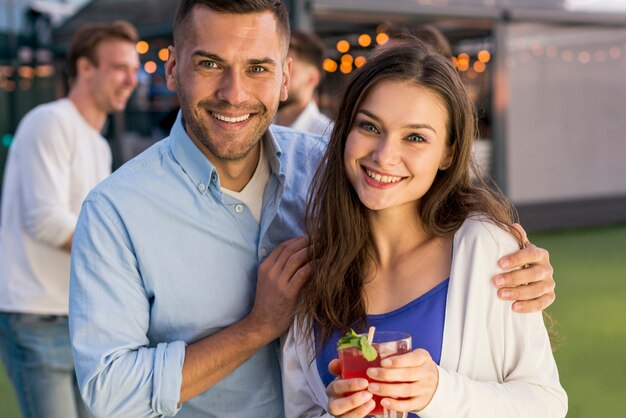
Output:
x,y
193,124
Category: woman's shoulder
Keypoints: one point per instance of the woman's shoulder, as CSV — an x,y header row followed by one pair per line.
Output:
x,y
481,233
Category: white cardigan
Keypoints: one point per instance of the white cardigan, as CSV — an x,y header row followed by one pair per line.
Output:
x,y
494,362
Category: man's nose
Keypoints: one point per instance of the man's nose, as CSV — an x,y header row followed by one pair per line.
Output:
x,y
232,88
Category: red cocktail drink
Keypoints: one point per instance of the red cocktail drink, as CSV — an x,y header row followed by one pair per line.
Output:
x,y
354,365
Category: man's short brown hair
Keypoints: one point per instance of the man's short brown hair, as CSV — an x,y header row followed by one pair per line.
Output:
x,y
277,8
86,40
307,47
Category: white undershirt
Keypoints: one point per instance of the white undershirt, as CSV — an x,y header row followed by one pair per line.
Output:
x,y
252,194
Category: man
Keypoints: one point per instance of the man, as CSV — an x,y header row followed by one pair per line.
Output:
x,y
300,111
176,303
58,155
425,33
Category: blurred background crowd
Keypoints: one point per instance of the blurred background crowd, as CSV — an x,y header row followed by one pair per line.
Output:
x,y
547,77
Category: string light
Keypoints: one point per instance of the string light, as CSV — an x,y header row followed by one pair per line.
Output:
x,y
150,67
142,47
584,57
462,62
343,46
347,59
164,54
26,71
567,56
484,56
330,65
346,68
382,38
479,67
365,40
45,70
360,61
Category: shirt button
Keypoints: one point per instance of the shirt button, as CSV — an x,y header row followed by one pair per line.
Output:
x,y
201,187
238,208
214,177
263,251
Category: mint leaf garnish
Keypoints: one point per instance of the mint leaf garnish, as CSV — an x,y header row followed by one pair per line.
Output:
x,y
368,351
360,342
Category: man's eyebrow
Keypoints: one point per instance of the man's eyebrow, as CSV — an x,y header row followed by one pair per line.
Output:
x,y
217,58
262,61
208,55
412,126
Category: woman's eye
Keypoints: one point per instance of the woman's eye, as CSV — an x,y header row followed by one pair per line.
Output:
x,y
368,127
416,138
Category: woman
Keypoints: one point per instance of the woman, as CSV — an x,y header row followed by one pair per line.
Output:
x,y
406,237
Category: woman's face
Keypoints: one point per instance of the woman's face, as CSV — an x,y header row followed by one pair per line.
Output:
x,y
396,145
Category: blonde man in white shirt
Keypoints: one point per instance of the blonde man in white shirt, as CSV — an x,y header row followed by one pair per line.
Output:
x,y
58,155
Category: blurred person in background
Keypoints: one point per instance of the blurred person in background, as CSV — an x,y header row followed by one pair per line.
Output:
x,y
58,155
425,33
300,110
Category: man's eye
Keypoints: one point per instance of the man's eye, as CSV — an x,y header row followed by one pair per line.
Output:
x,y
208,64
257,69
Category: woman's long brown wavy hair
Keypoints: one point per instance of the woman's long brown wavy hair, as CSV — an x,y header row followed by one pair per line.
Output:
x,y
337,222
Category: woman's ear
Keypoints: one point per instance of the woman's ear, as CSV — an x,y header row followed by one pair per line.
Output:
x,y
447,158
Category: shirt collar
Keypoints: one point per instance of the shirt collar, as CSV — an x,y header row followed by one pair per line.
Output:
x,y
274,152
197,166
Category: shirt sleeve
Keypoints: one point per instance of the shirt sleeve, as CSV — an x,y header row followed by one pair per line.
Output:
x,y
46,145
119,373
516,346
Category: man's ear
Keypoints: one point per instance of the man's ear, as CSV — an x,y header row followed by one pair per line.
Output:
x,y
284,88
314,77
170,69
84,68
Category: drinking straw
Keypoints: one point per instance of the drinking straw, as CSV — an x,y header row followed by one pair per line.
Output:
x,y
370,334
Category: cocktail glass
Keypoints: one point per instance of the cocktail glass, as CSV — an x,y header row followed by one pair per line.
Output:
x,y
353,364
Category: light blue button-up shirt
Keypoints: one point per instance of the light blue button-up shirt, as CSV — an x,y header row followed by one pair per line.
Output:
x,y
162,258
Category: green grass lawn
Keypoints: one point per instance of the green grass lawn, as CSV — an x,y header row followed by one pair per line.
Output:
x,y
590,270
8,402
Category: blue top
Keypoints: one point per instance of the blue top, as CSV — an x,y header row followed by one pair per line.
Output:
x,y
423,319
161,258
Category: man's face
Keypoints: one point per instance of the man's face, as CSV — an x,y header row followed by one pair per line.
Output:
x,y
114,78
230,73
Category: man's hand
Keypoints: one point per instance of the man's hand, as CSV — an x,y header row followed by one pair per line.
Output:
x,y
280,279
531,284
281,276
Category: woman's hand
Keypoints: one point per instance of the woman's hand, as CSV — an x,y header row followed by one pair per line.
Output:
x,y
357,404
413,377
